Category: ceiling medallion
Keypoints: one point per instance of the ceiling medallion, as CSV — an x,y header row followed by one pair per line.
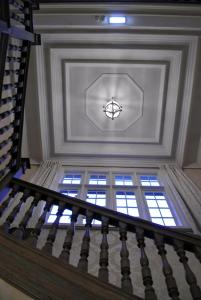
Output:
x,y
112,109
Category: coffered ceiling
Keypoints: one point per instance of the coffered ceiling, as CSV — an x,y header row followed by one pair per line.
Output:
x,y
152,72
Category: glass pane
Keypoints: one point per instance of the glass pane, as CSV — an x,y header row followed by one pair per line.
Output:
x,y
120,196
97,179
51,219
133,212
91,195
97,222
160,197
64,220
154,212
72,179
54,209
91,201
149,196
67,212
166,213
122,210
121,202
149,180
169,222
132,203
76,181
155,183
158,221
100,202
145,183
102,182
119,182
128,182
151,203
65,180
162,203
130,195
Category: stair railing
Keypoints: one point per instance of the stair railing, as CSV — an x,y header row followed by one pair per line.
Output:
x,y
143,229
16,38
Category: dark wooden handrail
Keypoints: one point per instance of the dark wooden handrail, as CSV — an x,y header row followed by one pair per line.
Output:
x,y
16,37
30,196
150,229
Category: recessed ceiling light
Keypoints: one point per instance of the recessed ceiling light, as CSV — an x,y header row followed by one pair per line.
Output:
x,y
117,20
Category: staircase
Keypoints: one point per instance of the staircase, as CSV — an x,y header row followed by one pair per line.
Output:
x,y
147,267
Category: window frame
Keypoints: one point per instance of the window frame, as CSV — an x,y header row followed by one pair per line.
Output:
x,y
111,188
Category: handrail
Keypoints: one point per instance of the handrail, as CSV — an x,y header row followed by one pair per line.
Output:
x,y
114,217
16,37
32,195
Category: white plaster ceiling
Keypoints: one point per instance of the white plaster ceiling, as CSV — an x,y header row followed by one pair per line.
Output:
x,y
150,74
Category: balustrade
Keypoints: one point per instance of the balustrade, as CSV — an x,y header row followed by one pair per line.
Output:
x,y
84,253
142,229
146,271
103,271
65,254
16,36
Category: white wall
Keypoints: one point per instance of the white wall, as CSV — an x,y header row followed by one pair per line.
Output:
x,y
8,292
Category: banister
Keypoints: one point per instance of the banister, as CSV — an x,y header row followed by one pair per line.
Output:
x,y
150,229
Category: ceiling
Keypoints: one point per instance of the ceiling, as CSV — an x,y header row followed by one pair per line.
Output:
x,y
151,66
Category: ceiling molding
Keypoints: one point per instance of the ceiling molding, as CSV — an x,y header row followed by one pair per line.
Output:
x,y
139,8
168,50
60,147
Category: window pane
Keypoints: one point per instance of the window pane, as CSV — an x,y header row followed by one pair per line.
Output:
x,y
149,180
158,221
72,179
65,219
126,203
98,179
165,213
151,203
123,180
154,212
133,212
96,222
67,212
149,196
169,222
162,203
100,202
122,210
159,209
132,203
51,218
93,201
96,197
121,202
54,209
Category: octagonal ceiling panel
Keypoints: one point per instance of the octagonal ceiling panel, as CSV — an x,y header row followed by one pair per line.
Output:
x,y
124,90
69,131
137,87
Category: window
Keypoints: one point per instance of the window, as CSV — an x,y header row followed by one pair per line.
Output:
x,y
65,218
149,180
96,197
135,194
98,179
159,210
72,179
126,203
123,180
